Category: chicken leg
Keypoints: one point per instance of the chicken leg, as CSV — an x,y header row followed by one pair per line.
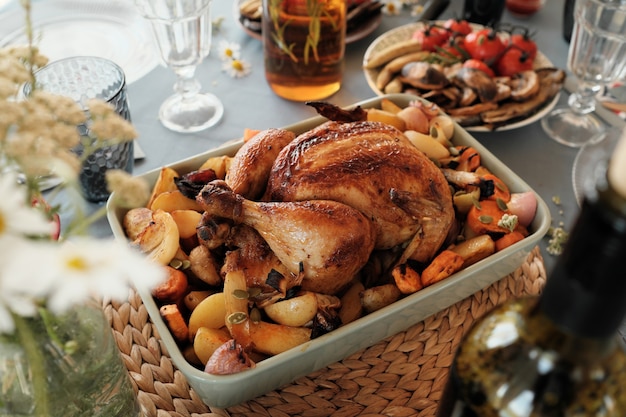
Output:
x,y
329,240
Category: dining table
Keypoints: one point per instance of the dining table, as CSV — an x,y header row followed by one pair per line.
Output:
x,y
250,103
545,165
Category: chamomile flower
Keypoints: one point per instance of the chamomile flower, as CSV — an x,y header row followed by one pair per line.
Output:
x,y
416,10
237,68
392,7
22,285
229,50
83,267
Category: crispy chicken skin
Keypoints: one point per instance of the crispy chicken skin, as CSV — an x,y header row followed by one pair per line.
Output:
x,y
251,166
373,168
328,240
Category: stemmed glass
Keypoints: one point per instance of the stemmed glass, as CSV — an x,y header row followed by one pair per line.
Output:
x,y
590,164
597,56
183,32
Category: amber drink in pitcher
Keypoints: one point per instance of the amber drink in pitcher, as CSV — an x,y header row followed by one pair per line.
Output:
x,y
304,43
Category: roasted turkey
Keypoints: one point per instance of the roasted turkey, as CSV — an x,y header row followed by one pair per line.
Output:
x,y
373,168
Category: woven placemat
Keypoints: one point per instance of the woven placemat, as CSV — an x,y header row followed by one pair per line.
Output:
x,y
402,375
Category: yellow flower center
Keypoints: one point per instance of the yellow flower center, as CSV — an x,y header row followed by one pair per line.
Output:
x,y
228,52
237,65
77,263
3,224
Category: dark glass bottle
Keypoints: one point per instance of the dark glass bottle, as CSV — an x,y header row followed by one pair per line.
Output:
x,y
559,354
568,19
483,12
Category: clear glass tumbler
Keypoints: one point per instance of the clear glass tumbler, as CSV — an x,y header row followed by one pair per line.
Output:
x,y
597,56
183,32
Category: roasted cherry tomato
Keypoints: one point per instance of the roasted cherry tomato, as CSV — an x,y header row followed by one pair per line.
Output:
x,y
431,37
458,26
484,45
454,47
513,60
479,65
525,43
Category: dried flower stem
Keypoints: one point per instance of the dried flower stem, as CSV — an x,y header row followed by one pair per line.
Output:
x,y
28,22
36,363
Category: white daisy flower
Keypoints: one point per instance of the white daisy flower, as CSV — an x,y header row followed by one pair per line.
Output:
x,y
392,7
17,218
237,68
69,274
23,283
417,10
84,267
228,50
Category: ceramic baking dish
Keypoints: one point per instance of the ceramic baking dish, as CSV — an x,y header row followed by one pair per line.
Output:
x,y
269,374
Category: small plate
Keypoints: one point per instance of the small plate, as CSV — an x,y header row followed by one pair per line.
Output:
x,y
364,29
104,28
403,33
252,28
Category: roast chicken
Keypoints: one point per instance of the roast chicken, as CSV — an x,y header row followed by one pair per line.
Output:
x,y
327,240
324,201
250,168
375,169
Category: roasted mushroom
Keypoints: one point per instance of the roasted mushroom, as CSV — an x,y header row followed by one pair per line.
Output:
x,y
423,75
524,85
550,81
479,81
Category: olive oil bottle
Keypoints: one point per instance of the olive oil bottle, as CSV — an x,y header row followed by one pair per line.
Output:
x,y
558,354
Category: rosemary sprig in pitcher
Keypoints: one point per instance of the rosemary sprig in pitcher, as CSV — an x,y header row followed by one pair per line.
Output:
x,y
315,11
279,30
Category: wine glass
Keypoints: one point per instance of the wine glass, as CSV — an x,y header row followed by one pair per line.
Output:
x,y
597,56
183,32
591,162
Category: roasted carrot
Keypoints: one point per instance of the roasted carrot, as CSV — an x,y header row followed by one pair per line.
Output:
x,y
500,190
173,288
469,159
508,239
249,133
482,170
522,229
407,279
484,217
175,322
444,265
